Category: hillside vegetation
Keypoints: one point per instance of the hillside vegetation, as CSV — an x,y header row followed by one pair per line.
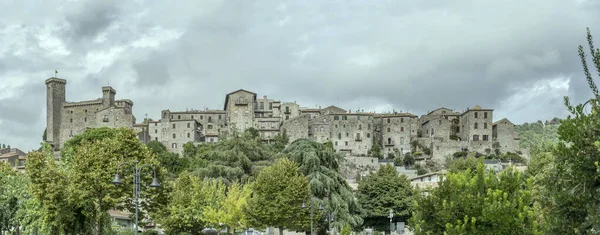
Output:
x,y
535,135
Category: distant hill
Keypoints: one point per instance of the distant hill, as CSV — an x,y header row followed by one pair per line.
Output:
x,y
535,134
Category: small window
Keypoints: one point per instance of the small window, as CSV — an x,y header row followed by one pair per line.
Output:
x,y
155,130
336,143
219,116
368,135
339,136
156,138
476,114
347,134
388,120
359,126
475,137
388,130
346,142
173,125
209,119
85,119
401,120
174,145
485,125
156,124
188,125
485,115
440,122
336,118
401,128
174,136
85,111
188,135
485,137
178,116
209,127
475,126
71,120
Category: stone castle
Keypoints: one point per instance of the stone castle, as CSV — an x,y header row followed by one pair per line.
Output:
x,y
436,134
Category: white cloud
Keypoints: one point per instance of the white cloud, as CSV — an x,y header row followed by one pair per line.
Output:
x,y
540,99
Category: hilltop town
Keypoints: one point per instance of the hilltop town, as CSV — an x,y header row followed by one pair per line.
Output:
x,y
435,135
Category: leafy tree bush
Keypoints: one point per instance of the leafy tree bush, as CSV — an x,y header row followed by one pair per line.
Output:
x,y
382,191
573,182
477,202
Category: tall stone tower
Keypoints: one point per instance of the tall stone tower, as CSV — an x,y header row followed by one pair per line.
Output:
x,y
108,96
55,99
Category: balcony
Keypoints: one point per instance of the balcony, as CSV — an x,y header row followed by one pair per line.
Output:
x,y
287,111
389,143
358,138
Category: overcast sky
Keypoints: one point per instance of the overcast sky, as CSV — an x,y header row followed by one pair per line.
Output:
x,y
518,57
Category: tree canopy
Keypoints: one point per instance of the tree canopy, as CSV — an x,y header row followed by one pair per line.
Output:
x,y
321,166
383,191
477,202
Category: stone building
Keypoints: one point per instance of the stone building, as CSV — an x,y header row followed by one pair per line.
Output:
x,y
503,132
398,129
442,131
351,133
14,157
67,119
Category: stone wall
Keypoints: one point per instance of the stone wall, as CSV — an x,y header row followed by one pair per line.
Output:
x,y
319,129
504,132
296,128
438,127
76,117
240,110
289,110
475,123
352,133
55,98
396,132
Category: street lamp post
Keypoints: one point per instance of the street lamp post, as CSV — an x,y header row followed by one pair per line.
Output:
x,y
136,184
391,224
312,212
329,220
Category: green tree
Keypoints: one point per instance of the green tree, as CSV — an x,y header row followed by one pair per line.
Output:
x,y
278,194
76,192
49,186
172,162
462,164
321,166
13,199
44,136
383,191
574,185
281,140
477,202
236,159
184,211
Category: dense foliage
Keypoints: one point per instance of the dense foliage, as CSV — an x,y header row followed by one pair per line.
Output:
x,y
538,134
75,193
279,192
383,191
574,181
321,165
477,202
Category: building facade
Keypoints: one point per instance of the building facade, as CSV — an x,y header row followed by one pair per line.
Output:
x,y
66,119
443,131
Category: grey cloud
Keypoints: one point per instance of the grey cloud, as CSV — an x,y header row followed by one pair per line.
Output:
x,y
152,71
413,55
90,18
